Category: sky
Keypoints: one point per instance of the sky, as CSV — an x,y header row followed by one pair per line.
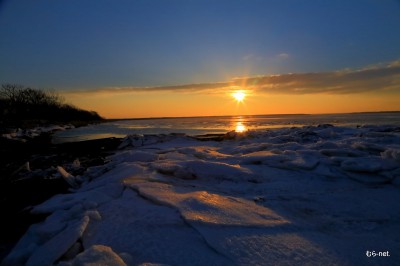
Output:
x,y
158,58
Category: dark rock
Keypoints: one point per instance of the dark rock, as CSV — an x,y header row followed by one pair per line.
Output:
x,y
22,188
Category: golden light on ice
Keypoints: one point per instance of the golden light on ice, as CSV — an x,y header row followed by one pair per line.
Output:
x,y
239,95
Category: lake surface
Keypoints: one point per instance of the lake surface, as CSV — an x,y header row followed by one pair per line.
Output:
x,y
220,124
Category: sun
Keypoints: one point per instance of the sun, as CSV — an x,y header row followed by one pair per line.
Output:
x,y
239,96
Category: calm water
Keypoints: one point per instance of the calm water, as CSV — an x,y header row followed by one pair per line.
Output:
x,y
208,125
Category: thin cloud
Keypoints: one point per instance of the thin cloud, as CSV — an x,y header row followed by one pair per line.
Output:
x,y
372,78
283,56
337,82
186,88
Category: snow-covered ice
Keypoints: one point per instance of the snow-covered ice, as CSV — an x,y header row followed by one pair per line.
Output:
x,y
318,195
22,134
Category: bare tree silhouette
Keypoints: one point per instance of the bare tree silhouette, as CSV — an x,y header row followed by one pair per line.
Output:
x,y
19,103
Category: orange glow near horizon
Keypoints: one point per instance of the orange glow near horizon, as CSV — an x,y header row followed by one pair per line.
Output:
x,y
173,104
363,90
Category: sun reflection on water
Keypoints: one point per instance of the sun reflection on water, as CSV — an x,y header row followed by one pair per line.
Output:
x,y
240,128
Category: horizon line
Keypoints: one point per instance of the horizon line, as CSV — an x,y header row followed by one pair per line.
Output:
x,y
200,116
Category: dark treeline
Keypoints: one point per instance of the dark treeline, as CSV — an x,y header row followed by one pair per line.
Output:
x,y
21,105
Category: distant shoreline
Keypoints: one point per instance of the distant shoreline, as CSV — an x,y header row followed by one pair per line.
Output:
x,y
221,124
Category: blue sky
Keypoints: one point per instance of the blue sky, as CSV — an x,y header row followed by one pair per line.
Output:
x,y
91,44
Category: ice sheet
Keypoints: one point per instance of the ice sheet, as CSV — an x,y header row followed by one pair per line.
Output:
x,y
294,196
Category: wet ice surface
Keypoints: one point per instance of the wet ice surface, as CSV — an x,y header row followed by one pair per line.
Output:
x,y
311,195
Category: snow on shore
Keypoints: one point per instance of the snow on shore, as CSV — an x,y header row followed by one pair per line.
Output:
x,y
22,134
313,195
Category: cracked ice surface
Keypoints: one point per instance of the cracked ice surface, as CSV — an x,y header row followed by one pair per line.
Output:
x,y
294,196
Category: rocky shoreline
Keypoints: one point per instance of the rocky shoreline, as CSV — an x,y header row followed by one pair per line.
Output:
x,y
29,176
